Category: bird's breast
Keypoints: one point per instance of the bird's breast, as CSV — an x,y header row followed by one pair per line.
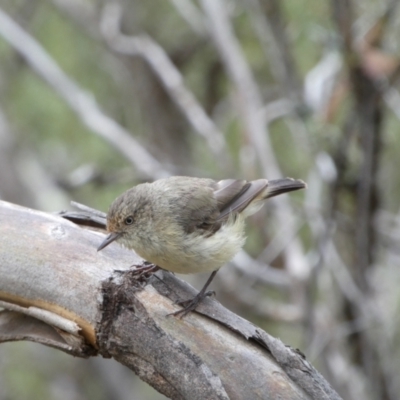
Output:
x,y
193,253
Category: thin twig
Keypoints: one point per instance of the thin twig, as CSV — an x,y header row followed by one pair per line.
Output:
x,y
171,78
192,15
272,37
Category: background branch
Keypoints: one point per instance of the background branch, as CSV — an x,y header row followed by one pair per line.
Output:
x,y
80,101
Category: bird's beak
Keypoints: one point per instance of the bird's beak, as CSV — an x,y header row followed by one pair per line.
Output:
x,y
110,238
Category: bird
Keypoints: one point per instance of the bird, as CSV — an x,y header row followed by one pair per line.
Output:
x,y
187,224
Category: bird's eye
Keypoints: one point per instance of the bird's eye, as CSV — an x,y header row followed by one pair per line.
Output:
x,y
129,220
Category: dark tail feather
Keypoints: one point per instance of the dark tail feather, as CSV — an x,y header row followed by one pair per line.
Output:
x,y
279,186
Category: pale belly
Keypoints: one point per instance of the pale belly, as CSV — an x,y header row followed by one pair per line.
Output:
x,y
196,253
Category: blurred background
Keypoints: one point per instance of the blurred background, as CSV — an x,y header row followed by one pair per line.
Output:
x,y
98,96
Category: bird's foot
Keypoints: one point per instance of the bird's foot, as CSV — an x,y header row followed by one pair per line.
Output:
x,y
145,269
191,304
140,272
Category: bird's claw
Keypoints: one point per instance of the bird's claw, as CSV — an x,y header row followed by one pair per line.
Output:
x,y
191,304
145,268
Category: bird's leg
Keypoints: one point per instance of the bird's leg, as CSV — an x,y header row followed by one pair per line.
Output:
x,y
190,305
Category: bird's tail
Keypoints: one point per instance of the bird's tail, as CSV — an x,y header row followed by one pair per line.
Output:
x,y
279,186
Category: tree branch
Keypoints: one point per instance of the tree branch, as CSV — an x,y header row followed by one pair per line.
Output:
x,y
66,295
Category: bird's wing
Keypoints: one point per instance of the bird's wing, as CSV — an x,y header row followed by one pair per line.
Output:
x,y
208,203
227,190
233,196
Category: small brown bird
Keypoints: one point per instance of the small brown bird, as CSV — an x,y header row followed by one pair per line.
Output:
x,y
188,225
